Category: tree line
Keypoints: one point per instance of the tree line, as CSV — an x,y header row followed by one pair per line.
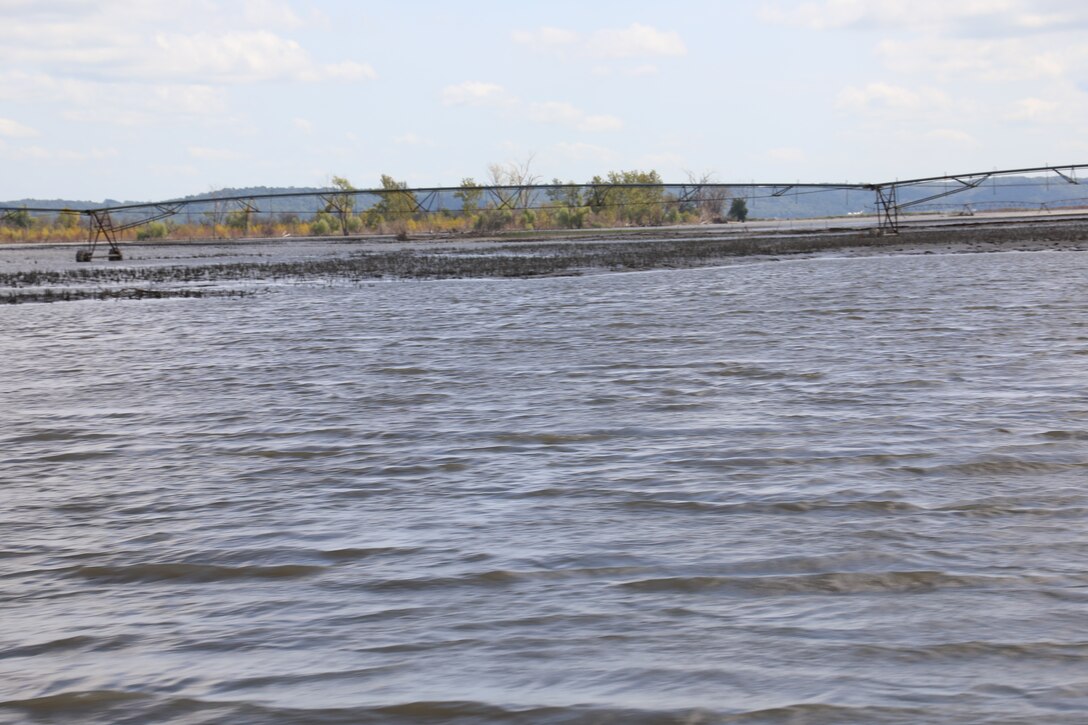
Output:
x,y
599,203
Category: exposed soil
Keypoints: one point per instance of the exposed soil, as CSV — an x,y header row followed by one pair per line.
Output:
x,y
41,273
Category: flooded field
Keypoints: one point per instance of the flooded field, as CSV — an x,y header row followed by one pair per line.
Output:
x,y
818,490
155,270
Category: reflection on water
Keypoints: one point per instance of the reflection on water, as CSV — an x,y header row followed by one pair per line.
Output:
x,y
816,491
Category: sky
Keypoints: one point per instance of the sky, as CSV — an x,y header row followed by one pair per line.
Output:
x,y
138,100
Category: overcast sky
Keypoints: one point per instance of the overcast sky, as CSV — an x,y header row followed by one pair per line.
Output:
x,y
131,99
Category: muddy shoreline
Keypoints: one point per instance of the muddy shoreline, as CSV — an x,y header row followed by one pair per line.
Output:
x,y
48,273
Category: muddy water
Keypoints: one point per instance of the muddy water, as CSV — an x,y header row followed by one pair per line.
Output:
x,y
823,491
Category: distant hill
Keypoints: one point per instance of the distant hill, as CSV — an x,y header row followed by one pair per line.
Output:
x,y
1010,192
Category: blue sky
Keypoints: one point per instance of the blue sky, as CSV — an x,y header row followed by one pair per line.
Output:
x,y
129,99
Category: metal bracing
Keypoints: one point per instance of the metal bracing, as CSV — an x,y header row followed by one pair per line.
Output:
x,y
964,186
248,208
1071,177
102,227
423,200
887,210
423,205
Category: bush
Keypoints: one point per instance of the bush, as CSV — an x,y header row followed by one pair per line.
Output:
x,y
153,230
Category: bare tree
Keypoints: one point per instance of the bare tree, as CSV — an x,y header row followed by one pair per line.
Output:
x,y
516,175
709,201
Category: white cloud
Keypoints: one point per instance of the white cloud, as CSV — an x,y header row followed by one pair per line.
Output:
x,y
964,17
636,71
1034,109
171,170
555,112
412,139
662,160
637,41
41,153
585,151
634,41
14,129
275,13
205,153
348,71
133,63
238,57
188,99
562,113
952,136
888,97
474,93
992,61
22,87
124,41
600,123
787,154
478,93
302,124
546,38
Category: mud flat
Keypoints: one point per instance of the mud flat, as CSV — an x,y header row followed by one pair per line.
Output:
x,y
48,273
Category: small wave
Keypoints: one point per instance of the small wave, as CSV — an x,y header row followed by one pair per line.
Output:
x,y
821,713
402,370
756,372
118,706
984,509
1065,435
357,553
367,492
777,507
286,680
552,439
65,644
75,456
494,578
824,583
54,436
296,454
192,572
1076,652
1003,467
73,702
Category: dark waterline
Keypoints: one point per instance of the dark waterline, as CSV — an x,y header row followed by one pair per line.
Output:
x,y
821,491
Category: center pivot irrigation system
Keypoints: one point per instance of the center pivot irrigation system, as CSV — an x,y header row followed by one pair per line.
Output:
x,y
425,200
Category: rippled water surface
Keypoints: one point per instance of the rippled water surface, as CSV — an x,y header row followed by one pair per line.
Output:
x,y
821,491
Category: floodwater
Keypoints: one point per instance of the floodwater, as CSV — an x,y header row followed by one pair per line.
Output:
x,y
817,491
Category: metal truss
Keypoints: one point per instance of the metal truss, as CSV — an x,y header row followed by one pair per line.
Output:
x,y
429,200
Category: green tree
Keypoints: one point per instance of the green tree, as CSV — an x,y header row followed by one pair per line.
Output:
x,y
738,209
68,219
396,205
153,230
238,220
567,197
470,194
319,227
639,205
341,203
19,219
